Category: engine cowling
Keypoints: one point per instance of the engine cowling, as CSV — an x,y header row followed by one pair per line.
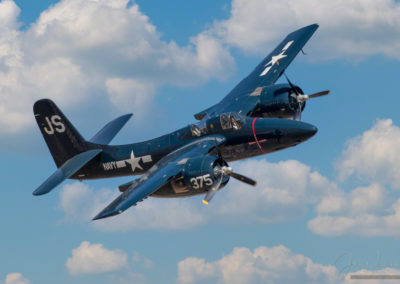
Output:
x,y
278,101
202,172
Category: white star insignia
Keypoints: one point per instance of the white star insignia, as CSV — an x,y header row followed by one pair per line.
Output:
x,y
134,162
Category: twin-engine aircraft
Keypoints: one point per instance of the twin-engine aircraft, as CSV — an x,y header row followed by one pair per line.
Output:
x,y
257,117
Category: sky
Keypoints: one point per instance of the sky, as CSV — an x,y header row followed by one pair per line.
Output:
x,y
322,211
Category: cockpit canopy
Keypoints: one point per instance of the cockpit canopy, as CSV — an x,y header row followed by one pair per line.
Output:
x,y
227,121
231,121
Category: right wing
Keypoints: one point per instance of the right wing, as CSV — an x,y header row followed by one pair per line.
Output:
x,y
244,96
160,174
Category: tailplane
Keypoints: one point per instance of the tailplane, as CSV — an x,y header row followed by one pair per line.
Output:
x,y
69,149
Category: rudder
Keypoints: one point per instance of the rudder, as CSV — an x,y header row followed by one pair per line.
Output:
x,y
62,139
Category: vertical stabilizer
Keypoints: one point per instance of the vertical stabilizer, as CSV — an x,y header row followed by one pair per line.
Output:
x,y
62,139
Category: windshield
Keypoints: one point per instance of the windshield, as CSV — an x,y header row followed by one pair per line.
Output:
x,y
199,128
231,121
228,121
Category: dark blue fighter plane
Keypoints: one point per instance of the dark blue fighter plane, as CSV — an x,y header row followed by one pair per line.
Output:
x,y
257,117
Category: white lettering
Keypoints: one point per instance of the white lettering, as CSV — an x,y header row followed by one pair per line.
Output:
x,y
54,122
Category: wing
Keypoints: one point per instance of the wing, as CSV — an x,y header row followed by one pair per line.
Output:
x,y
159,174
244,96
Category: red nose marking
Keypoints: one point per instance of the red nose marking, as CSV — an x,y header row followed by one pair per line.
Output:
x,y
255,136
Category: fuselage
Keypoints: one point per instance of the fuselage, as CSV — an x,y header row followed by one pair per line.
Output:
x,y
245,137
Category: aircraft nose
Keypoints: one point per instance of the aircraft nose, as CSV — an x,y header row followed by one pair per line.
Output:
x,y
285,131
303,131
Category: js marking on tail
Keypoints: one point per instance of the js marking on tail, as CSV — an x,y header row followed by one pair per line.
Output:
x,y
54,123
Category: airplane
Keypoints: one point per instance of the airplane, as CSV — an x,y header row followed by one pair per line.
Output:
x,y
257,117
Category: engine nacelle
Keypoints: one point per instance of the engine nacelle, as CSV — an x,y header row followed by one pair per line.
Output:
x,y
198,176
199,172
278,101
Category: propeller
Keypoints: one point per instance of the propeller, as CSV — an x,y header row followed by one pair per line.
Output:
x,y
221,172
301,98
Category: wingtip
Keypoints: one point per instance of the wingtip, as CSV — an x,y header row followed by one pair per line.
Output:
x,y
103,214
314,26
40,191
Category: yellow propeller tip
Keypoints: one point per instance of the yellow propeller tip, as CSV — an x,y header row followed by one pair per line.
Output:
x,y
205,202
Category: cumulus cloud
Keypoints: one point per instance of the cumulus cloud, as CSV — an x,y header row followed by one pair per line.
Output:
x,y
81,203
284,192
104,52
94,259
348,27
360,200
386,223
370,210
263,265
276,265
16,278
109,53
374,155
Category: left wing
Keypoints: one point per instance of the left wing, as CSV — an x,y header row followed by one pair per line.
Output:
x,y
160,174
245,95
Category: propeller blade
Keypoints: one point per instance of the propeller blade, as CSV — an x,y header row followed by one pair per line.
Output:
x,y
217,148
243,178
297,114
213,190
320,94
291,85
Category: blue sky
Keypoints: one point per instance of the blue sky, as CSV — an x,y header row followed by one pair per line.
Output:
x,y
337,193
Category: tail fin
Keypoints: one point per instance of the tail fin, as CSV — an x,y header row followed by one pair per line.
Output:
x,y
61,137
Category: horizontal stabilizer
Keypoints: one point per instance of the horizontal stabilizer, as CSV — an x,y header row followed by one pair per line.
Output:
x,y
66,170
108,132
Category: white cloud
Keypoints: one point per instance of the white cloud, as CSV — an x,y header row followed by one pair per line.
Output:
x,y
130,94
374,155
81,52
385,223
94,259
81,203
360,200
370,210
348,27
276,265
263,265
284,191
16,278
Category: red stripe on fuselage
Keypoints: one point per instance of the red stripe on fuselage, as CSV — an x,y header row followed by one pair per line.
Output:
x,y
255,136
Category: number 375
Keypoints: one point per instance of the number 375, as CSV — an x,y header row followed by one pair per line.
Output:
x,y
201,181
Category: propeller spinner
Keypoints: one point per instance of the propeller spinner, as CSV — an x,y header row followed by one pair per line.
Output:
x,y
221,172
301,98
